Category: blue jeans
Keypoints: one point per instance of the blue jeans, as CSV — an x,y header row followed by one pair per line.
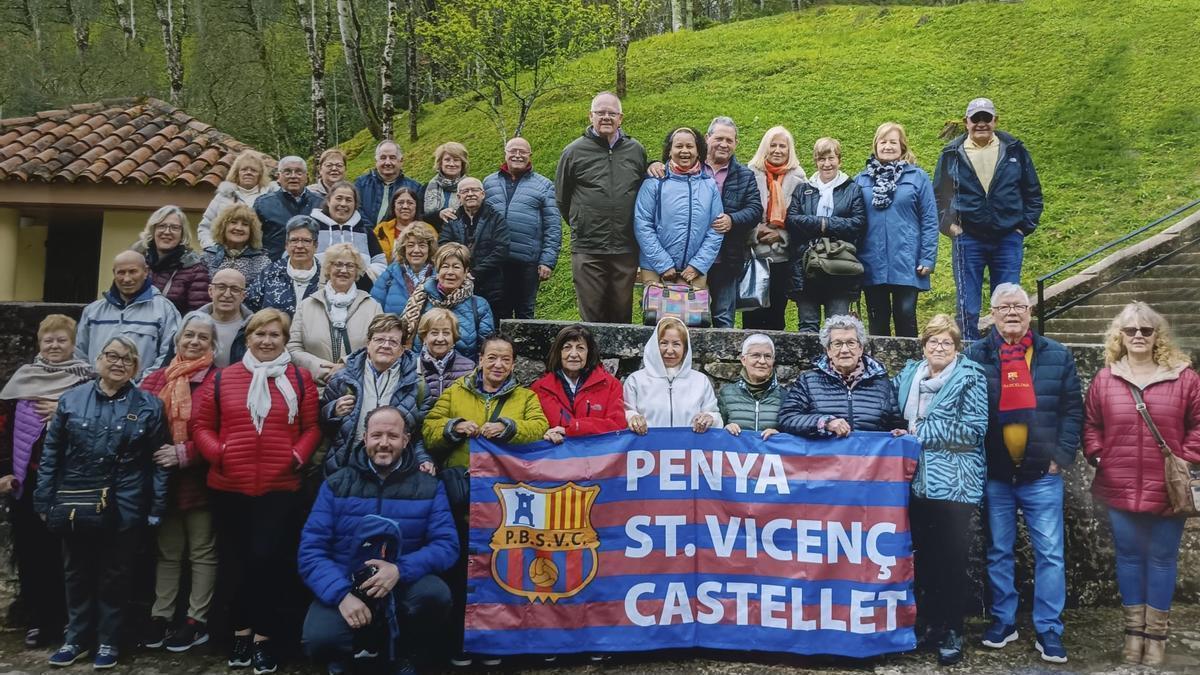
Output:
x,y
1041,502
722,294
1147,548
970,255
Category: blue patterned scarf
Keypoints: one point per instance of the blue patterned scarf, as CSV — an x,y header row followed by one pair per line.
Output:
x,y
885,177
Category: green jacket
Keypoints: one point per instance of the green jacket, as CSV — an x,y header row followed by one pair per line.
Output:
x,y
740,407
596,187
518,408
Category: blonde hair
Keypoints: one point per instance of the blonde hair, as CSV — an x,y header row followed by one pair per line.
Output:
x,y
942,323
827,146
331,152
673,323
54,322
906,154
452,250
249,158
422,232
1166,354
759,161
237,212
159,215
268,316
343,251
456,150
436,315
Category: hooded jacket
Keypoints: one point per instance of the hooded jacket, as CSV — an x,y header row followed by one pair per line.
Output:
x,y
597,407
515,406
673,222
665,399
528,206
372,190
181,276
903,236
820,395
311,340
952,465
596,186
275,209
1129,464
354,232
1013,201
848,223
227,195
149,319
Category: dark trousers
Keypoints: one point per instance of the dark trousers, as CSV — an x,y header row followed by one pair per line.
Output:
x,y
604,286
941,533
422,610
775,316
257,538
723,292
971,255
38,553
886,304
519,299
490,287
811,300
97,569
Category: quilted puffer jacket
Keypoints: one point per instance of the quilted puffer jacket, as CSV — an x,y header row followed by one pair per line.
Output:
x,y
439,376
673,223
180,275
240,458
1129,465
597,407
528,206
820,395
752,413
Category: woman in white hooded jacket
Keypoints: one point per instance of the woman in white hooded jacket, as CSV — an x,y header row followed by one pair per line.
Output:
x,y
666,392
248,179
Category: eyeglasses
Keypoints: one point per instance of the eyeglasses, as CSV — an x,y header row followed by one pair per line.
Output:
x,y
606,114
839,345
344,266
333,165
519,153
305,241
761,357
470,191
222,289
940,345
1146,331
1009,309
385,341
115,358
168,227
293,172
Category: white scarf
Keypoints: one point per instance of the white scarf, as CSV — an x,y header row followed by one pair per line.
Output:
x,y
339,304
825,205
921,393
258,397
377,390
301,278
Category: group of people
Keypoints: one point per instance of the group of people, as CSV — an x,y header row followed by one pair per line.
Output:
x,y
296,401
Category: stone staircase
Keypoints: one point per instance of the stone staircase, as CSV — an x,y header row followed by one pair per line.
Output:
x,y
1172,287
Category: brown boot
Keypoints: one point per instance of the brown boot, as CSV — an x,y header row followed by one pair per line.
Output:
x,y
1135,632
1156,636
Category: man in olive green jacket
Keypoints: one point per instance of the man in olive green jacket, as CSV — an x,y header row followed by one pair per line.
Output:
x,y
596,185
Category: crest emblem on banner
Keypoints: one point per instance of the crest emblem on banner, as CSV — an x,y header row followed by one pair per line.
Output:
x,y
545,547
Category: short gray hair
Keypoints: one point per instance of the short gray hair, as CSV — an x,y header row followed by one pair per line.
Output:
x,y
608,93
302,222
291,159
723,121
130,346
203,318
757,339
842,322
1009,289
388,141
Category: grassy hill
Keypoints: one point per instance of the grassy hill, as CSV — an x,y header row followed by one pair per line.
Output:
x,y
1104,94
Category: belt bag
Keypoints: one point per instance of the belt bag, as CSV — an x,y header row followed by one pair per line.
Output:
x,y
1183,485
827,257
87,510
689,305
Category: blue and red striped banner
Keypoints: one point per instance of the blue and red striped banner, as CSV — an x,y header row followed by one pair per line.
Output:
x,y
620,542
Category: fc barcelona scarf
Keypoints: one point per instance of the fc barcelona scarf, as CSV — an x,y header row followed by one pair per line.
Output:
x,y
1017,397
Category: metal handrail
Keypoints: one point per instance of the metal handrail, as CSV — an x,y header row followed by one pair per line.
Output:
x,y
1042,314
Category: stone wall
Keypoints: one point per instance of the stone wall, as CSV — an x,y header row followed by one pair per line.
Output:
x,y
1091,579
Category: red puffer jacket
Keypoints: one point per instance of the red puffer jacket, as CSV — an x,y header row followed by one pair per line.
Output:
x,y
186,489
599,403
1130,470
242,460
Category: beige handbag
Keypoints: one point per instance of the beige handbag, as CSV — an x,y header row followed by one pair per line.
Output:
x,y
1183,486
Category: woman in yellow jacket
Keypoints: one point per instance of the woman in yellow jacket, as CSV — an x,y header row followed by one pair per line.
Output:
x,y
485,403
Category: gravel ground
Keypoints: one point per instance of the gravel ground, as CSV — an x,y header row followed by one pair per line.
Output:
x,y
1092,639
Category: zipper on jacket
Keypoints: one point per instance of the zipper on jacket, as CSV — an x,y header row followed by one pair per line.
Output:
x,y
671,401
756,424
687,240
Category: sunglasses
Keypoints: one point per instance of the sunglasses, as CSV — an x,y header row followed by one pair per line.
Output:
x,y
982,117
1146,331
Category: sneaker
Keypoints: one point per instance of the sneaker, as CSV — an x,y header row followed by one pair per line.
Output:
x,y
365,653
67,655
190,634
490,660
1050,645
404,667
549,658
33,637
950,651
156,633
264,660
461,660
240,654
999,634
106,657
598,658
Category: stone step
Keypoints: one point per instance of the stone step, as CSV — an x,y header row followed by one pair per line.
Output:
x,y
1169,308
1172,271
1186,286
1186,325
1190,258
1117,295
1074,338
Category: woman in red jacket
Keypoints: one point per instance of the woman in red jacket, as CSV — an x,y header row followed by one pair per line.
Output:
x,y
577,394
1130,480
256,425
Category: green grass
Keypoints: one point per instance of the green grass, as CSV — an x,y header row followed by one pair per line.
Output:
x,y
1105,95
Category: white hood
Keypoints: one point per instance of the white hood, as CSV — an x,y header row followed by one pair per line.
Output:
x,y
667,401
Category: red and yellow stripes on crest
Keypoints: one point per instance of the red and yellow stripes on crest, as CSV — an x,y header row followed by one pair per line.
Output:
x,y
567,509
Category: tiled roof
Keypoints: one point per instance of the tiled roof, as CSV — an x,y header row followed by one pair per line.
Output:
x,y
138,141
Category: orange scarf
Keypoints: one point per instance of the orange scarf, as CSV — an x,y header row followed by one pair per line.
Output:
x,y
679,171
777,202
176,394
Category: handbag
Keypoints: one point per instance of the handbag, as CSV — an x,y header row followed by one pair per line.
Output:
x,y
87,510
689,305
828,257
754,287
1183,485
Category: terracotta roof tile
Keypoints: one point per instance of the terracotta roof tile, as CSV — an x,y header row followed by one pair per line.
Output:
x,y
131,140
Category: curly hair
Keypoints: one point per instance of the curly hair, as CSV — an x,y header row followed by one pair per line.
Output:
x,y
237,212
1166,353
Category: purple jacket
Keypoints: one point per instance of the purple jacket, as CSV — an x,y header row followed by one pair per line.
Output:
x,y
435,382
28,433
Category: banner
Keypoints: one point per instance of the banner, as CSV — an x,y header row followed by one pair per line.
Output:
x,y
620,542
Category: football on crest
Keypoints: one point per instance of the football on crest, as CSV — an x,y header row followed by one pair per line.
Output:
x,y
543,572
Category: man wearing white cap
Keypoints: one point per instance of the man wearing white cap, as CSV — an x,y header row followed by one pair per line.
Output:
x,y
989,199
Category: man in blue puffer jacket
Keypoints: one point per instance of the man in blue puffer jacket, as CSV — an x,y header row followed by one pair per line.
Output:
x,y
526,200
378,502
989,199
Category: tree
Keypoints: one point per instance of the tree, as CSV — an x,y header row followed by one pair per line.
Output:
x,y
515,47
412,82
316,41
173,18
127,19
630,14
351,32
387,102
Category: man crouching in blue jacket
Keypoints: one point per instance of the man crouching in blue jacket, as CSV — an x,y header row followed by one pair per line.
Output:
x,y
378,535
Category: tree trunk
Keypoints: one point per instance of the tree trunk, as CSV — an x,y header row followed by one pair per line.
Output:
x,y
676,15
623,30
172,17
81,27
351,35
387,102
127,19
687,11
412,81
315,42
32,23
